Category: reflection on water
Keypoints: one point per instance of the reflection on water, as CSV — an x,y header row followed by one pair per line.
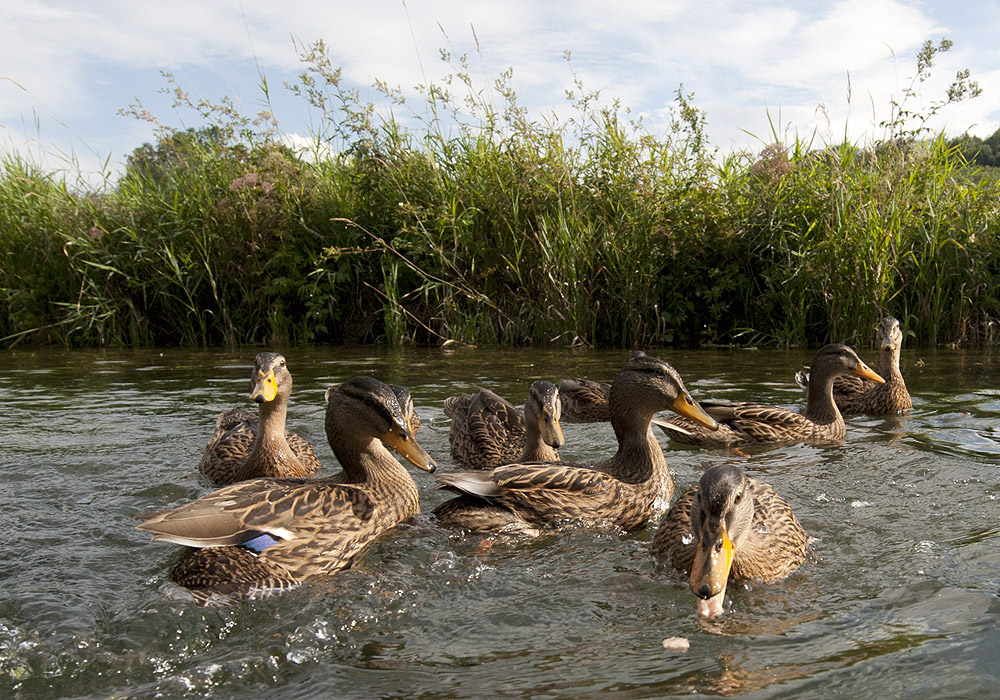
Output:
x,y
902,579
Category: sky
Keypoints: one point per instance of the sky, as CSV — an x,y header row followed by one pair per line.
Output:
x,y
797,68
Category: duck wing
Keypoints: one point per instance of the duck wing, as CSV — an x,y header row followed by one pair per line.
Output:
x,y
540,492
285,509
763,422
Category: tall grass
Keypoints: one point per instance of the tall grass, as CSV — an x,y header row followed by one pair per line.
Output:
x,y
469,220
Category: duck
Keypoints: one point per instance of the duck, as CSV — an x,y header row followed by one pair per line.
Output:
x,y
856,396
730,527
584,400
747,422
624,490
259,537
488,431
246,446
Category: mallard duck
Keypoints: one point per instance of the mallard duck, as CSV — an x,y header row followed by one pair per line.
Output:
x,y
245,447
624,490
729,527
260,536
753,422
856,396
488,431
584,400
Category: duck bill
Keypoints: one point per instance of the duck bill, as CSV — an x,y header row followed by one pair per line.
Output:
x,y
710,571
863,370
685,406
550,430
400,439
265,388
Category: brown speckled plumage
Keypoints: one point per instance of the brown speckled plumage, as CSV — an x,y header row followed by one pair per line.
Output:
x,y
247,447
858,396
406,403
312,527
767,541
488,431
584,400
624,490
752,422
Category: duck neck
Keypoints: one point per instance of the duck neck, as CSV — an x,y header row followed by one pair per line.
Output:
x,y
821,408
539,452
639,458
889,369
270,446
367,463
535,449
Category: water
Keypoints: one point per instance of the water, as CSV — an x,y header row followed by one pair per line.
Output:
x,y
899,596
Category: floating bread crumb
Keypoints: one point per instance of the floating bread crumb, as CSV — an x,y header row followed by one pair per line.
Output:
x,y
678,644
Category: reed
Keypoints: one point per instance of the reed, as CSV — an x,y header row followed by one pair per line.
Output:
x,y
471,221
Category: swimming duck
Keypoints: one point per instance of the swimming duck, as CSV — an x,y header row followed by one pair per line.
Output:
x,y
245,447
261,536
729,527
753,422
856,396
488,431
624,490
584,400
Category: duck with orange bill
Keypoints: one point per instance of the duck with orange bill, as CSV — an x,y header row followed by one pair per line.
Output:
x,y
258,537
748,422
245,446
625,490
729,527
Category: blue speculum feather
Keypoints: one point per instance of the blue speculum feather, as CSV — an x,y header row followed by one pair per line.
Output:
x,y
259,543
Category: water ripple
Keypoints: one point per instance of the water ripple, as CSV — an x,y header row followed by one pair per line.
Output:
x,y
902,574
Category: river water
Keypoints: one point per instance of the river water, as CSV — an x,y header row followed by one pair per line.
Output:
x,y
900,595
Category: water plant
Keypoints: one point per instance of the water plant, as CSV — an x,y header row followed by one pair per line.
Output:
x,y
464,218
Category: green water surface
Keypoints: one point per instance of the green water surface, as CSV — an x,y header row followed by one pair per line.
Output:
x,y
898,598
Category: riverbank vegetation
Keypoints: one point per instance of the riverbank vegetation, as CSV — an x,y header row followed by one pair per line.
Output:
x,y
472,221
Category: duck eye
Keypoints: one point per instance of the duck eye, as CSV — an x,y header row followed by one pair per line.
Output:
x,y
739,497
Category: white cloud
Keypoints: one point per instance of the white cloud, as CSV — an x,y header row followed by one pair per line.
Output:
x,y
77,64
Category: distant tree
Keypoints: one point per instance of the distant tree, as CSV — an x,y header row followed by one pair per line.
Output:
x,y
178,149
977,151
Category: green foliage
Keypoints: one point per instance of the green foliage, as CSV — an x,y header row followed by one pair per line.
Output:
x,y
982,152
41,224
470,221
